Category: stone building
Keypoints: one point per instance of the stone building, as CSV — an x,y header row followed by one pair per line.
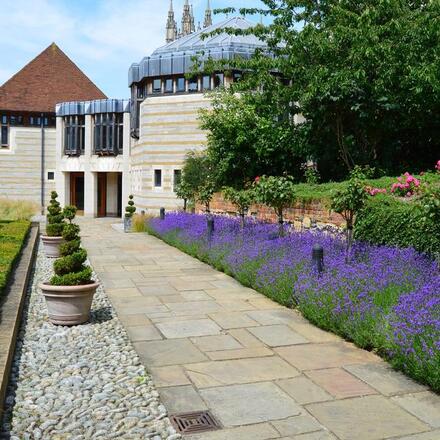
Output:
x,y
165,106
103,150
27,122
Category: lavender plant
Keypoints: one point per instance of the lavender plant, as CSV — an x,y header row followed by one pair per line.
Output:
x,y
384,298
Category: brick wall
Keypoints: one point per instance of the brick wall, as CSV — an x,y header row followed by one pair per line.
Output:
x,y
301,215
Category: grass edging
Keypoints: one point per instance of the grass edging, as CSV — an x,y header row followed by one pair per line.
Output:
x,y
11,306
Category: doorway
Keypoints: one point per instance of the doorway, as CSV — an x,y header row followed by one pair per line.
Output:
x,y
119,214
102,194
77,191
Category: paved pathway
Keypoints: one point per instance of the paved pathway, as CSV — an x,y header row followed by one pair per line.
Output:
x,y
263,370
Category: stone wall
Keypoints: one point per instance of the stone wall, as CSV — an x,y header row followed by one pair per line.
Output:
x,y
302,216
169,129
20,164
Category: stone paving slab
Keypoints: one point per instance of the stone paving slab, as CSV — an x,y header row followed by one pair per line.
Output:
x,y
263,370
425,406
339,383
366,418
237,405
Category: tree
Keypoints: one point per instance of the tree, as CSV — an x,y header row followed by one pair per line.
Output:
x,y
365,76
198,181
349,201
241,199
184,192
276,192
250,134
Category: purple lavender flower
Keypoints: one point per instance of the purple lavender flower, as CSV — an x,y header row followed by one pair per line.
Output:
x,y
385,298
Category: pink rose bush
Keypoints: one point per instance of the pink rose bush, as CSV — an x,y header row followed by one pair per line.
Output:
x,y
406,185
373,191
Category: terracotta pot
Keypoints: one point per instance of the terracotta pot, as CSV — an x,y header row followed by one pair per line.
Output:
x,y
69,305
52,246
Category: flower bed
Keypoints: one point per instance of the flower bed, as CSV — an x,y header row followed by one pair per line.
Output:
x,y
12,236
386,298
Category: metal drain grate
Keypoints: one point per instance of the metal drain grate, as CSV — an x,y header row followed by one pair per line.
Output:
x,y
194,422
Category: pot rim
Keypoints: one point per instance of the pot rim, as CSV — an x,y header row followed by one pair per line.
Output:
x,y
83,287
50,238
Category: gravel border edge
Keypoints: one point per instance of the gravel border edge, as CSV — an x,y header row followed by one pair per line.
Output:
x,y
11,308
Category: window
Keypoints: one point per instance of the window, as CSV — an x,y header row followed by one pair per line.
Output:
x,y
206,82
74,135
4,131
169,85
237,76
193,85
35,121
180,84
109,133
177,179
4,135
141,91
157,178
157,86
219,80
50,175
16,120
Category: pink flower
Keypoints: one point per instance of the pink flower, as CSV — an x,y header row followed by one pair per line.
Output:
x,y
399,179
437,167
257,179
408,194
407,174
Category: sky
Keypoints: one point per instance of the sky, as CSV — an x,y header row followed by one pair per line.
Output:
x,y
103,37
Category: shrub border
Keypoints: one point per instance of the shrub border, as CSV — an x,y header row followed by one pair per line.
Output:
x,y
11,306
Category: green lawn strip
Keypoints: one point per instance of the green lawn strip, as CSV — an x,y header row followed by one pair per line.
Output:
x,y
12,238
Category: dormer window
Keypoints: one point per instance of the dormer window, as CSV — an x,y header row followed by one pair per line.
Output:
x,y
206,82
219,80
169,85
180,84
157,85
109,134
74,135
193,85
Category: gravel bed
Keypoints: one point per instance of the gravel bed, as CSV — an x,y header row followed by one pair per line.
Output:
x,y
77,383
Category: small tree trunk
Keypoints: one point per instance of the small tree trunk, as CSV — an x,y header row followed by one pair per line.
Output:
x,y
242,219
185,204
349,238
281,222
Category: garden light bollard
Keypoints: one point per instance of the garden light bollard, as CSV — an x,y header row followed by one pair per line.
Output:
x,y
162,213
210,224
318,258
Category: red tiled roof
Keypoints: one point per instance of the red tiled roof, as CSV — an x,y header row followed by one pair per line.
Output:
x,y
50,78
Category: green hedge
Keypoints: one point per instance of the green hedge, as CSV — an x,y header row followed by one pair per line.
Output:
x,y
386,220
12,237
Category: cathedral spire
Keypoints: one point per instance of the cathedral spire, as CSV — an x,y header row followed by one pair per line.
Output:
x,y
208,16
171,29
186,19
193,25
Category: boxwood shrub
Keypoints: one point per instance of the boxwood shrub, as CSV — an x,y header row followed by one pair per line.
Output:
x,y
390,221
12,237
